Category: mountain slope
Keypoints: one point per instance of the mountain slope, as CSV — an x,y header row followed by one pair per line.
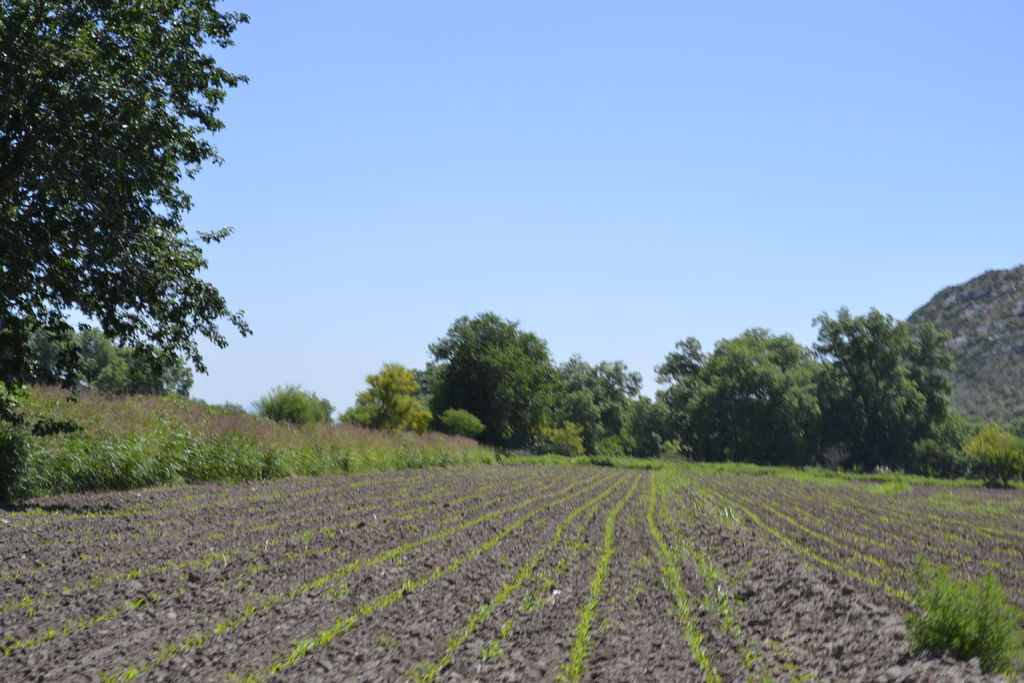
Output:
x,y
985,317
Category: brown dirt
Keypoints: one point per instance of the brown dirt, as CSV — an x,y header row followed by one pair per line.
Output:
x,y
378,576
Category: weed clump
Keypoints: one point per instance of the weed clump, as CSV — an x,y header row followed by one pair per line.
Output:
x,y
971,618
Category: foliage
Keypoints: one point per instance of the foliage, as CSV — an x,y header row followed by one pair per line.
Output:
x,y
752,400
1017,428
461,423
128,442
942,454
390,402
681,374
883,388
596,397
104,366
496,371
292,404
996,454
610,446
967,618
14,454
564,440
646,428
104,107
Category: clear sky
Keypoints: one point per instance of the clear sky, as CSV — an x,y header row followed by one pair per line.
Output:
x,y
616,176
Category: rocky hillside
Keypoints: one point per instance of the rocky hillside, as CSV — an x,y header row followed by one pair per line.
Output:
x,y
986,319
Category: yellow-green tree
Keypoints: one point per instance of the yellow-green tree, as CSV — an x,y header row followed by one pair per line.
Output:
x,y
390,402
564,440
998,455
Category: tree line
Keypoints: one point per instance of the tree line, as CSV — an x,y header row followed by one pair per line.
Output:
x,y
871,394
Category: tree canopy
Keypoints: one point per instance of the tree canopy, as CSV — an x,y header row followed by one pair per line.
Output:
x,y
390,402
499,373
595,397
105,107
753,399
104,366
884,389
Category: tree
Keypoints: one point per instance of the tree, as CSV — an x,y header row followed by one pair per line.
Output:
x,y
104,107
758,403
104,366
595,397
390,402
753,399
292,404
646,430
496,371
681,373
884,388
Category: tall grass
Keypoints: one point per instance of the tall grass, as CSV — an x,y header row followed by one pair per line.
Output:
x,y
136,441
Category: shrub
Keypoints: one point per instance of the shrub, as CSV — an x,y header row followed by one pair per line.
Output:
x,y
997,455
564,440
461,423
292,404
966,618
934,458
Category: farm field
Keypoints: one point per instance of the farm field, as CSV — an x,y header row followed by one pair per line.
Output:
x,y
491,573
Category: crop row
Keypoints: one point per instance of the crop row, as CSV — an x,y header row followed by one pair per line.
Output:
x,y
254,563
868,537
329,581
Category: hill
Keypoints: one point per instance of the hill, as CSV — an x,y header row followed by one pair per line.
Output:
x,y
985,317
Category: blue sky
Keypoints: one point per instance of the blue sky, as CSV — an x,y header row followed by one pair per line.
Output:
x,y
615,176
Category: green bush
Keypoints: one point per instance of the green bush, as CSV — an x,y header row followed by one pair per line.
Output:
x,y
996,455
966,618
461,423
292,404
934,458
14,450
564,440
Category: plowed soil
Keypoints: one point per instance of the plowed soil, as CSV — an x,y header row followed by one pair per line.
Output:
x,y
490,574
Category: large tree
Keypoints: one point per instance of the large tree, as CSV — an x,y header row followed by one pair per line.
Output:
x,y
595,397
885,388
105,107
496,371
754,399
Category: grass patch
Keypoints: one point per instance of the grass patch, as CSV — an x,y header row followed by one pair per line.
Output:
x,y
891,488
829,477
966,618
585,461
